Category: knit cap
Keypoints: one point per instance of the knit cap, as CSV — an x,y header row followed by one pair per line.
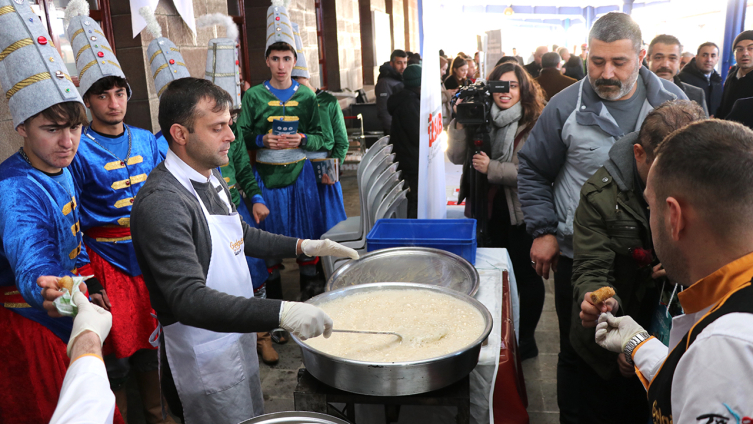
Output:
x,y
412,76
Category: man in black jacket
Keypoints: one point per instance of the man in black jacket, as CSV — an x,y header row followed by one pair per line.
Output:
x,y
390,81
405,107
739,83
534,68
664,60
700,73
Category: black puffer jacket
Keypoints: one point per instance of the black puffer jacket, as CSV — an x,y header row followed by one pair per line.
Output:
x,y
389,82
405,106
690,74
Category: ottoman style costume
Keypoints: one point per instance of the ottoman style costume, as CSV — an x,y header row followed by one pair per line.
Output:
x,y
335,144
39,226
285,177
108,172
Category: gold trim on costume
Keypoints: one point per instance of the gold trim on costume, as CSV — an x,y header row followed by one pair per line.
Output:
x,y
27,82
112,240
277,103
68,207
11,293
284,118
128,201
79,31
6,9
227,180
75,228
117,185
75,252
16,305
133,160
15,46
111,166
86,67
124,222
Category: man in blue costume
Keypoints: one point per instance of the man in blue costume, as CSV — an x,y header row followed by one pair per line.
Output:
x,y
112,164
40,236
284,175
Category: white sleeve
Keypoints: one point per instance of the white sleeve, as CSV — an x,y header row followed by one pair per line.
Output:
x,y
648,358
714,375
86,397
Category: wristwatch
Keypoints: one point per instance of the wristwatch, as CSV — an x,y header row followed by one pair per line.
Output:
x,y
632,344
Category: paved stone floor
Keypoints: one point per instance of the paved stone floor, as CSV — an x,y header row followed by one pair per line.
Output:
x,y
279,381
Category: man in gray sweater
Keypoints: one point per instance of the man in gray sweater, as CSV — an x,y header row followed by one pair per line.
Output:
x,y
189,243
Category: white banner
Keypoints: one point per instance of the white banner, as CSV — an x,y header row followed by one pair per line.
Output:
x,y
184,8
432,196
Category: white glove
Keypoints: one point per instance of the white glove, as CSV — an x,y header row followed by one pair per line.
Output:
x,y
614,333
305,320
90,317
327,247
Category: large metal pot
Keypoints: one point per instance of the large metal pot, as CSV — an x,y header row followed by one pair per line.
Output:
x,y
394,378
420,265
295,417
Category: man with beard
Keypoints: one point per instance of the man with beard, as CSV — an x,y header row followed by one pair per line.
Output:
x,y
390,81
739,83
111,166
664,61
700,72
570,141
700,195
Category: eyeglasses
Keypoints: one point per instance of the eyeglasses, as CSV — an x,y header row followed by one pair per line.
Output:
x,y
749,48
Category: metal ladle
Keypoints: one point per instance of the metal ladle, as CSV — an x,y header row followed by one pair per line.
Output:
x,y
391,333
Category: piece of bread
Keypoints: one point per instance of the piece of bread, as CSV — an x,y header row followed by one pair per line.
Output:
x,y
66,283
602,294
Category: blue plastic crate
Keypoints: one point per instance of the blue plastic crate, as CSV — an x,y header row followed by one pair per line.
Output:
x,y
453,235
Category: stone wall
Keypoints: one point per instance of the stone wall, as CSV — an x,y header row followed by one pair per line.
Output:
x,y
342,38
10,140
410,13
397,18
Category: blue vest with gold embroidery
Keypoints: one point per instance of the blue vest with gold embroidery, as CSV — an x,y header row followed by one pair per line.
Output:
x,y
39,235
106,186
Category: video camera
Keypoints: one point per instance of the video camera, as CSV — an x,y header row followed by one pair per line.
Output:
x,y
476,107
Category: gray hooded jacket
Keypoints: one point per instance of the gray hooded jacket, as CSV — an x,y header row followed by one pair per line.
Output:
x,y
570,141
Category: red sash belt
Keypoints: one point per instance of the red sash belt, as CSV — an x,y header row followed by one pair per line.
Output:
x,y
109,234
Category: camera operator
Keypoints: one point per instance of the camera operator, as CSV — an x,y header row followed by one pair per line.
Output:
x,y
512,115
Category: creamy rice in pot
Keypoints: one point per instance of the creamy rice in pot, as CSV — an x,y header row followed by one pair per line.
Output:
x,y
432,324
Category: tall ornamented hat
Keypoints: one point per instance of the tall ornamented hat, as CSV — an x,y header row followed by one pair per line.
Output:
x,y
94,56
300,69
222,56
164,57
279,28
32,73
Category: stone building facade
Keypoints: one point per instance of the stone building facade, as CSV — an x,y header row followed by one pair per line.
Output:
x,y
337,35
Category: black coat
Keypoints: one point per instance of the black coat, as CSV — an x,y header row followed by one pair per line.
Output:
x,y
574,68
734,89
533,68
405,108
741,112
690,74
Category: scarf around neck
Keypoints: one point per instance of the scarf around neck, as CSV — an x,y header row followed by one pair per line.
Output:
x,y
504,128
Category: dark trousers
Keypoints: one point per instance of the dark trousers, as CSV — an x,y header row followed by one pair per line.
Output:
x,y
568,363
411,181
618,400
518,243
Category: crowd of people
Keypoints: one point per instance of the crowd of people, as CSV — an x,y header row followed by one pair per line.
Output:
x,y
584,150
167,230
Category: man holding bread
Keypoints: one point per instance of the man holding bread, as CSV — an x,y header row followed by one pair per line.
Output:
x,y
701,201
613,265
190,244
40,235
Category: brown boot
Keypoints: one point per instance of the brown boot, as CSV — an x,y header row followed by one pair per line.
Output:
x,y
121,400
266,350
149,388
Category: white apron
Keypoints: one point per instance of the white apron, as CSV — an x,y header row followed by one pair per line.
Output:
x,y
216,374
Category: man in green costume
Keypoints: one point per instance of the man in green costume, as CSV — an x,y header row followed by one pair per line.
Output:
x,y
285,177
